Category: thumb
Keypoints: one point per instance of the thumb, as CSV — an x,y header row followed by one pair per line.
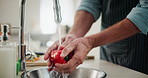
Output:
x,y
68,49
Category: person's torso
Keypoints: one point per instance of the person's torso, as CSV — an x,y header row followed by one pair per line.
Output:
x,y
114,11
131,52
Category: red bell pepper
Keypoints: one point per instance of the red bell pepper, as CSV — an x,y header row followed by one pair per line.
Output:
x,y
54,57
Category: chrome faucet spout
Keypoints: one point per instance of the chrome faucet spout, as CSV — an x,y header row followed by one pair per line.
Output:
x,y
57,11
22,46
22,24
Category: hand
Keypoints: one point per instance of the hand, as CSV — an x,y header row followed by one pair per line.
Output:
x,y
65,41
81,48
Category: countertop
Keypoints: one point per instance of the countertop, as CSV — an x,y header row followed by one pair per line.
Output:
x,y
112,70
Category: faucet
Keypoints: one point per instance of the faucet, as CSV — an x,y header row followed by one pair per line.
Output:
x,y
57,11
22,46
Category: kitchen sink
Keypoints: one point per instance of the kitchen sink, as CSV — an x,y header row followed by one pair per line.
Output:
x,y
78,73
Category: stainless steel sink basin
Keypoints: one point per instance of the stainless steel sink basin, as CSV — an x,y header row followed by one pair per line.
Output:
x,y
78,73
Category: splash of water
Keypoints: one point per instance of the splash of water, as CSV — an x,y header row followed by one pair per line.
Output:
x,y
65,75
55,74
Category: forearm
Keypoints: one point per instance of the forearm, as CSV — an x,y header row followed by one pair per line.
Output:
x,y
82,23
114,33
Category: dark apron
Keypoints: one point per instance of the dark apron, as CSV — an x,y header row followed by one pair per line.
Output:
x,y
131,52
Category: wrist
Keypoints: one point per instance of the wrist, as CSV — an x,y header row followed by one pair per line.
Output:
x,y
90,41
71,36
75,35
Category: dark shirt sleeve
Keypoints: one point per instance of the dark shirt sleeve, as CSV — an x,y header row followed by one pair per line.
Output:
x,y
139,16
91,6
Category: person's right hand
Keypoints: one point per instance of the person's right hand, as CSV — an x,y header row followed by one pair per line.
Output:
x,y
65,41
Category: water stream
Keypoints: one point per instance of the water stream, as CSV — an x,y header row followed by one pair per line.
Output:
x,y
59,34
57,74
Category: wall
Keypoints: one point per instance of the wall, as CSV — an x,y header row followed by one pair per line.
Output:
x,y
9,12
33,16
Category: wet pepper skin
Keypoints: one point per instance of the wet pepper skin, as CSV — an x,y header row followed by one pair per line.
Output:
x,y
54,57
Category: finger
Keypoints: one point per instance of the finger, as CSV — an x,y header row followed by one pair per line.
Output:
x,y
46,56
49,64
61,66
68,40
61,48
68,49
63,39
71,63
67,70
53,47
70,70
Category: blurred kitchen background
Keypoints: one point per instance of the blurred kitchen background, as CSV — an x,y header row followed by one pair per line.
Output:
x,y
39,22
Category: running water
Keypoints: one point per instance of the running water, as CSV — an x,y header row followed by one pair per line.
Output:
x,y
65,75
57,74
59,34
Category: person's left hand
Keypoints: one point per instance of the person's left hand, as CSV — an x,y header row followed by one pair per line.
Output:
x,y
81,48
